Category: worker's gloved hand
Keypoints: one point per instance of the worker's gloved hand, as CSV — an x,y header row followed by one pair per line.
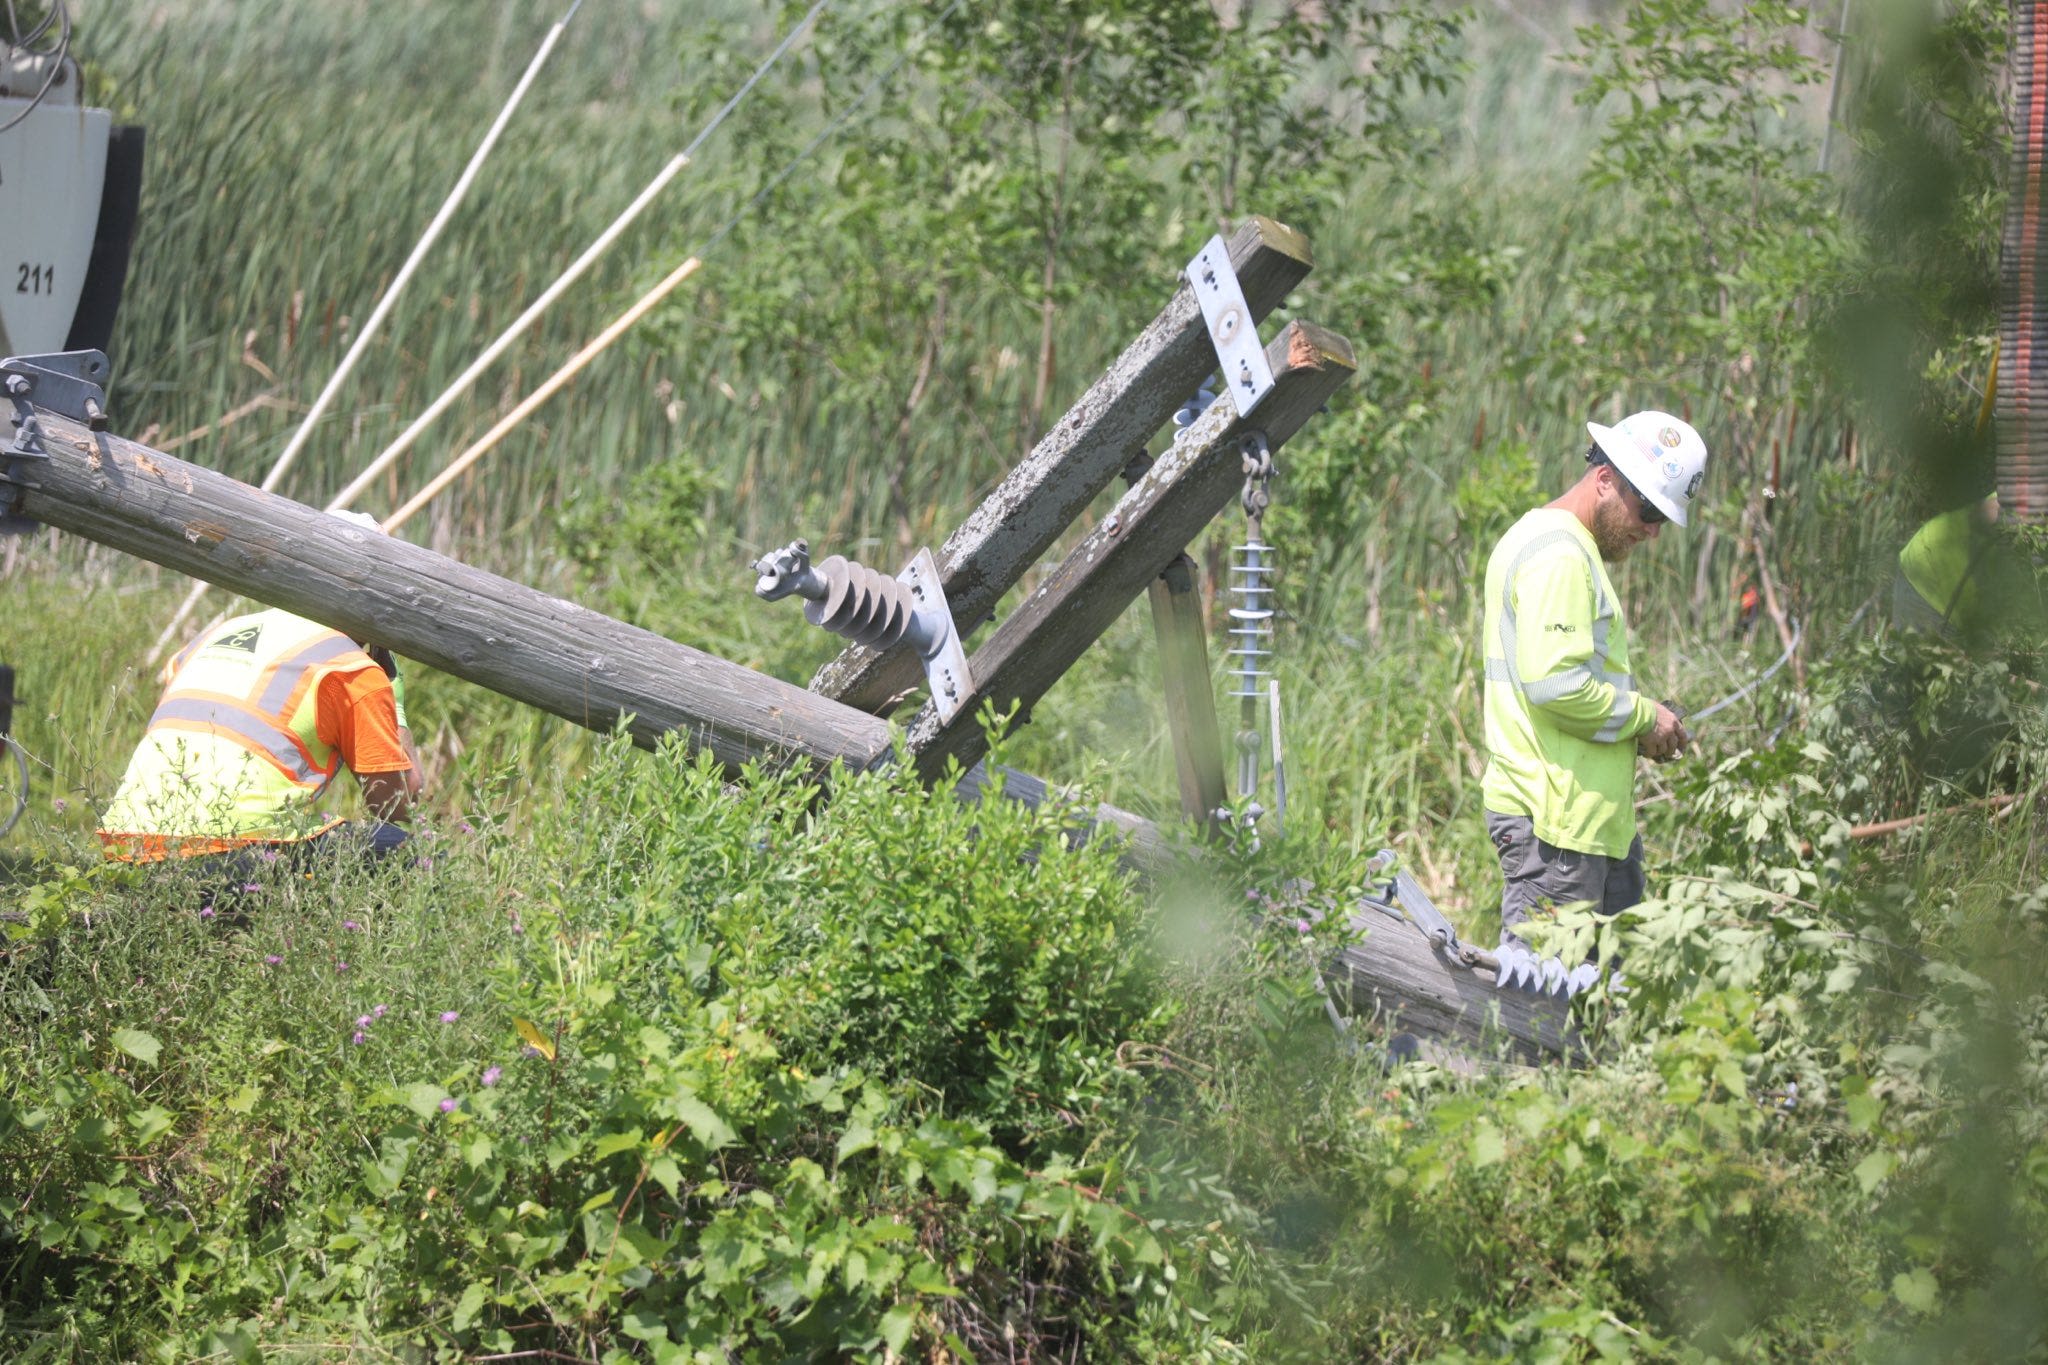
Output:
x,y
1667,737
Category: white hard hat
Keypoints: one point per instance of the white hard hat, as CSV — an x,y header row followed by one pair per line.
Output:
x,y
1662,457
363,519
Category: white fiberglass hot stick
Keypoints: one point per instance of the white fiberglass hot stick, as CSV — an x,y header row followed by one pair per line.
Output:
x,y
419,253
541,395
390,299
497,348
554,291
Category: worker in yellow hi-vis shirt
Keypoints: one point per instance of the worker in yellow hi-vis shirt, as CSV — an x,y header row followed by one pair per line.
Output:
x,y
1564,719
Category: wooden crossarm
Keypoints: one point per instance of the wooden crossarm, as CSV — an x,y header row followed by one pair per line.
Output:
x,y
1197,477
1011,531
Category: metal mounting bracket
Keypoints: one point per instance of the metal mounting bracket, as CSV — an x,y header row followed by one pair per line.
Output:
x,y
1236,336
68,383
945,658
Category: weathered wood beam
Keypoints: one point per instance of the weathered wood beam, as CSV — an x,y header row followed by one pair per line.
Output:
x,y
1190,701
1076,460
544,651
1186,487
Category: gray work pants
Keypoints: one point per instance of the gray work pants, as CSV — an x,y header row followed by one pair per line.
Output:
x,y
1535,873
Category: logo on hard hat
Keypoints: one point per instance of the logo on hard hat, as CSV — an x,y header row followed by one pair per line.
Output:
x,y
1669,437
1692,485
1672,469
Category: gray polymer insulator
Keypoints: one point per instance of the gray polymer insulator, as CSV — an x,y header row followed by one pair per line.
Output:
x,y
847,598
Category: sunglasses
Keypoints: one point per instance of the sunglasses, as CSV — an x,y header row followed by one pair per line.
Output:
x,y
1647,512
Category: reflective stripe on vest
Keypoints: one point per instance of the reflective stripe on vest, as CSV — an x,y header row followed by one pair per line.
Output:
x,y
273,718
256,734
1573,678
1542,690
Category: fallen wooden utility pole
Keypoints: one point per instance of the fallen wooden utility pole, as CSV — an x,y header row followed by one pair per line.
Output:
x,y
597,672
541,650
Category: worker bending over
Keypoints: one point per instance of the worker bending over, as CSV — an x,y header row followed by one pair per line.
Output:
x,y
1564,719
257,716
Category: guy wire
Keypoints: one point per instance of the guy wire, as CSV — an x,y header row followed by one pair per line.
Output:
x,y
834,126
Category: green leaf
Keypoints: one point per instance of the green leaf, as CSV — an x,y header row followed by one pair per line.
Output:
x,y
1488,1147
702,1120
858,1137
468,1306
243,1100
143,1047
1872,1170
927,1278
423,1098
235,1344
643,1324
896,1325
150,1124
612,1143
1916,1289
666,1174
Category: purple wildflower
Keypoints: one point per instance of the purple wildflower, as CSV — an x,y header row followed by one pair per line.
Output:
x,y
362,1021
351,925
206,912
268,855
449,1016
340,966
359,1038
491,1075
272,960
449,1105
59,804
252,886
529,1051
1302,926
378,1012
465,826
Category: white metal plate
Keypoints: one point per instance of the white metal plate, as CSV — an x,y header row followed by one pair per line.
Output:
x,y
1239,352
945,665
53,166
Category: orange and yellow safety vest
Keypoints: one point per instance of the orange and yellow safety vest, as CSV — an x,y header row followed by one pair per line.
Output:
x,y
233,753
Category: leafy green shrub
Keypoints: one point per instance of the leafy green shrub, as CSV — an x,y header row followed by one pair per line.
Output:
x,y
597,1089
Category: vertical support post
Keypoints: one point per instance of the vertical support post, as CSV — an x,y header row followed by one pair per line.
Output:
x,y
1190,701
